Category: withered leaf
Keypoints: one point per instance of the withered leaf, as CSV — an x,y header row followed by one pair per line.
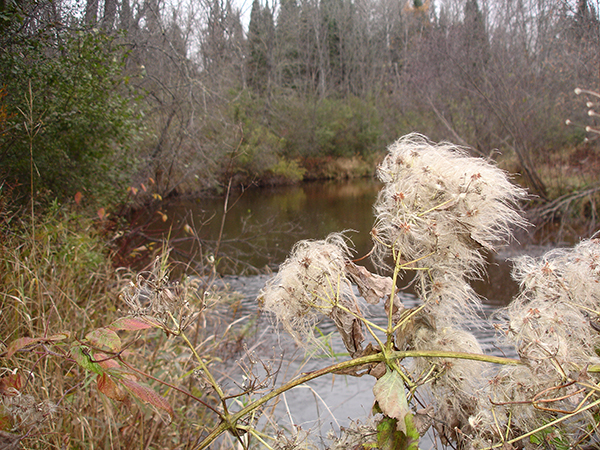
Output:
x,y
21,343
391,397
372,287
108,387
350,328
12,384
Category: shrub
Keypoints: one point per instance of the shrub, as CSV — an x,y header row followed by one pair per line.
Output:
x,y
69,116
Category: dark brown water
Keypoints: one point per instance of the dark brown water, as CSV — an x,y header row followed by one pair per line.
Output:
x,y
262,225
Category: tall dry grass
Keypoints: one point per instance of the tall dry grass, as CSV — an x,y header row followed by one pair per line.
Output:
x,y
57,283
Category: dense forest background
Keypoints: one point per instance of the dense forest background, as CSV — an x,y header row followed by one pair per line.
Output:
x,y
98,96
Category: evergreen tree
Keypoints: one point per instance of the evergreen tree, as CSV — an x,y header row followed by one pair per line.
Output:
x,y
288,36
261,32
475,40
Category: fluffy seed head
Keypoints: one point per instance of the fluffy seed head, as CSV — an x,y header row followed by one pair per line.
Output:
x,y
309,284
550,321
550,325
440,206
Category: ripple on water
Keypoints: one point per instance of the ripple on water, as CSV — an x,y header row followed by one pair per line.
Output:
x,y
330,401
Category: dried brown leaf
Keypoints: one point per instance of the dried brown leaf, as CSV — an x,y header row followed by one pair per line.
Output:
x,y
372,287
350,328
391,397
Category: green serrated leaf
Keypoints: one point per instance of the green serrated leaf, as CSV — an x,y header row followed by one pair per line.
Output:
x,y
389,437
81,355
412,434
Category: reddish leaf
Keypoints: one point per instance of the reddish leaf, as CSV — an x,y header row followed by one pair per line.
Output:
x,y
78,197
104,339
6,419
19,344
129,324
12,384
106,361
147,395
109,388
102,214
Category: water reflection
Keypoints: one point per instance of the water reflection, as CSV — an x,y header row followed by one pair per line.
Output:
x,y
262,225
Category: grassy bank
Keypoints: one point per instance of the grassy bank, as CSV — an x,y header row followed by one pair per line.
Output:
x,y
59,290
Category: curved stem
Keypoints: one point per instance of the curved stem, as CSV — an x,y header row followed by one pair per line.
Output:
x,y
208,374
378,357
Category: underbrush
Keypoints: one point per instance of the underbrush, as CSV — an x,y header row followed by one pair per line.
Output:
x,y
58,287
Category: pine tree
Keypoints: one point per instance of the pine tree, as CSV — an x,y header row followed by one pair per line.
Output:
x,y
261,31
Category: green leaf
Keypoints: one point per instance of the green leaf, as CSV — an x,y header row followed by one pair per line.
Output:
x,y
80,353
412,434
104,339
389,437
391,397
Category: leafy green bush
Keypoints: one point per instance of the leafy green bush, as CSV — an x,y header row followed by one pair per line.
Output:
x,y
66,116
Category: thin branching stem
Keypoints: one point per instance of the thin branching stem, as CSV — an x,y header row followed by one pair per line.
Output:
x,y
545,426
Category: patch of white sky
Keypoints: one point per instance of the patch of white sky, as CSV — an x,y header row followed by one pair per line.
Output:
x,y
190,12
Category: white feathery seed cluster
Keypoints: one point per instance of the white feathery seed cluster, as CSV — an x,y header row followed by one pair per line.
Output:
x,y
310,284
550,325
437,210
456,382
442,205
551,321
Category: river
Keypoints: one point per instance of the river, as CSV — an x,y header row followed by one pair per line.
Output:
x,y
260,228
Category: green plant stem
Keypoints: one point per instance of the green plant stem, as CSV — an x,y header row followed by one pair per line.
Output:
x,y
390,326
230,421
543,427
208,374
